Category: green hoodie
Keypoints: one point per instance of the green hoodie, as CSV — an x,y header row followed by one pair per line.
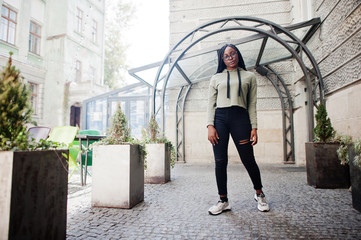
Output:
x,y
217,94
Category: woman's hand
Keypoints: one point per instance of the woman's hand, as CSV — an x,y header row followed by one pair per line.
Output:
x,y
212,135
254,137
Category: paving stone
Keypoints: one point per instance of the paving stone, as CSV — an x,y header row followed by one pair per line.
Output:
x,y
178,209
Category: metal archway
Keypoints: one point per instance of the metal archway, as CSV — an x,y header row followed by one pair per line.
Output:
x,y
265,30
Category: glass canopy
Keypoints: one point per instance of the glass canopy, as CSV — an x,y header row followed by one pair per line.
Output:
x,y
260,42
257,49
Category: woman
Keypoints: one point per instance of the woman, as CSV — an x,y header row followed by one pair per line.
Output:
x,y
232,110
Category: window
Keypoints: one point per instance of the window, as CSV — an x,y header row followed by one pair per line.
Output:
x,y
92,75
79,20
94,31
77,71
34,97
8,25
34,38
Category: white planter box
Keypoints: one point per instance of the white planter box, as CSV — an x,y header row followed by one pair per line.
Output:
x,y
33,194
118,176
158,163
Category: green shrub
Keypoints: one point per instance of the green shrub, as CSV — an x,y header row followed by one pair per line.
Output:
x,y
357,149
119,133
15,109
323,131
342,151
152,135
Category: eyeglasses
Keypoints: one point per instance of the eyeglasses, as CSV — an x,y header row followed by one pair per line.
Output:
x,y
228,57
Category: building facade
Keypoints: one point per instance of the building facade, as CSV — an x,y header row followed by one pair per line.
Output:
x,y
58,47
335,46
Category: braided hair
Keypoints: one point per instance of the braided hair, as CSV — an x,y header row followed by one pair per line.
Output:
x,y
222,65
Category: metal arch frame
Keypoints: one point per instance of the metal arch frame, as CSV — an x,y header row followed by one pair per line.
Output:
x,y
287,111
274,30
181,99
231,29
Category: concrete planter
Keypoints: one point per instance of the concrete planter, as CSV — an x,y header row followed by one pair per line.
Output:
x,y
158,163
33,194
118,176
323,166
355,175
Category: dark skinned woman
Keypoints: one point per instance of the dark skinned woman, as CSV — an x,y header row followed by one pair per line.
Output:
x,y
232,111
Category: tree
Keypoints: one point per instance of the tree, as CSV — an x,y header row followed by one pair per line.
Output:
x,y
324,131
119,15
118,132
15,109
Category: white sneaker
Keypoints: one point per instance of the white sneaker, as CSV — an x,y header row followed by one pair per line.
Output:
x,y
219,208
262,202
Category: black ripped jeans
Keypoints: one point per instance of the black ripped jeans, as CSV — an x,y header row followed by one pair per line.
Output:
x,y
235,121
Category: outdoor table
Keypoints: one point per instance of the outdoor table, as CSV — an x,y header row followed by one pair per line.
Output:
x,y
86,138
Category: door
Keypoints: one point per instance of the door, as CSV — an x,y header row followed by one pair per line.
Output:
x,y
75,116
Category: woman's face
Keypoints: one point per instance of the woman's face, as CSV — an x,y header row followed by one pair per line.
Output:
x,y
230,58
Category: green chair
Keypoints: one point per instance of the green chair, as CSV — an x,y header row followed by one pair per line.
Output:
x,y
66,135
90,151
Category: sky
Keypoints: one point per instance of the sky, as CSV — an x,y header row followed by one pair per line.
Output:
x,y
148,36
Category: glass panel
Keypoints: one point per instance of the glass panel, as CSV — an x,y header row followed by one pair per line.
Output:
x,y
30,43
274,51
4,11
4,28
13,15
96,115
196,68
136,120
114,106
11,33
38,30
148,75
290,40
301,32
250,52
34,39
175,79
34,96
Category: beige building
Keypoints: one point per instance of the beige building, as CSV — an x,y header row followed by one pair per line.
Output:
x,y
58,47
335,46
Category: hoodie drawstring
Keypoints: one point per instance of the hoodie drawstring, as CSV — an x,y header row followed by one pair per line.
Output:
x,y
239,83
228,84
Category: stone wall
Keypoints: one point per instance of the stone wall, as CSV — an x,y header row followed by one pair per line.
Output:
x,y
337,48
186,15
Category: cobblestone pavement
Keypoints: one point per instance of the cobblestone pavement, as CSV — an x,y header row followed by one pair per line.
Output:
x,y
178,209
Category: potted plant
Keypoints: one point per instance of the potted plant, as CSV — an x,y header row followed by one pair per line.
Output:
x,y
323,167
355,174
118,167
350,153
34,180
160,154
